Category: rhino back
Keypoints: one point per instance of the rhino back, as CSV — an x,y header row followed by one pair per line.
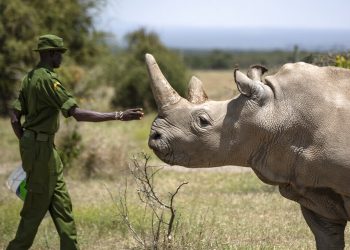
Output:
x,y
330,84
318,102
318,97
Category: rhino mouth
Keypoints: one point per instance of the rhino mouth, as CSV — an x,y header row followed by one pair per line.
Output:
x,y
160,147
167,155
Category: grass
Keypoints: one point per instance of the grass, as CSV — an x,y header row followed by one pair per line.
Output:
x,y
216,213
218,209
218,84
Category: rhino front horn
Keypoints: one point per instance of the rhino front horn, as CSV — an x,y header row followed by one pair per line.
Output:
x,y
196,93
163,93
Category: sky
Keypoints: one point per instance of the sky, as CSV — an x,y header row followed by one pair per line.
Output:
x,y
171,18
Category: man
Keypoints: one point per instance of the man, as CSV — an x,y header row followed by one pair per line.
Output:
x,y
40,99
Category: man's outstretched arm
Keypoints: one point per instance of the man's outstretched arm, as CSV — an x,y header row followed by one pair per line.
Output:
x,y
15,116
93,116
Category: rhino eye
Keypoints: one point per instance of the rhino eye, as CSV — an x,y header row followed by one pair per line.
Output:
x,y
203,121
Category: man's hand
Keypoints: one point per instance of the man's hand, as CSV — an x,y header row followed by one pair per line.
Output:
x,y
130,114
15,117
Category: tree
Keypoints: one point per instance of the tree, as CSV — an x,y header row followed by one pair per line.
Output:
x,y
23,21
133,87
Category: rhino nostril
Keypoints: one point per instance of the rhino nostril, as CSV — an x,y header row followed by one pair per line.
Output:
x,y
156,136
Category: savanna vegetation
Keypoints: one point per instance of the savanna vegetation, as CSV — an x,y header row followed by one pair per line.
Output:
x,y
224,208
228,59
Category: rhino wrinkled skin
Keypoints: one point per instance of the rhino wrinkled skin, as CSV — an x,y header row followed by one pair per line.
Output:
x,y
292,128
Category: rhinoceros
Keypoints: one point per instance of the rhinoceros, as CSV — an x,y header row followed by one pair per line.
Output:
x,y
292,128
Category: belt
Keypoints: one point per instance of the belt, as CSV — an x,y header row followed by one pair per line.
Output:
x,y
39,136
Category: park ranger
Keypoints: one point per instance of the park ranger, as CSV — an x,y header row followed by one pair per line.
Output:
x,y
41,98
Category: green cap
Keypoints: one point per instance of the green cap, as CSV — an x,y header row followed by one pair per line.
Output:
x,y
50,42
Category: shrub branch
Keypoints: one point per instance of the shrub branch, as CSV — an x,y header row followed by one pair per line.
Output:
x,y
161,230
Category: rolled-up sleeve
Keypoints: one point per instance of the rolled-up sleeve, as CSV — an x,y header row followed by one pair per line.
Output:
x,y
67,105
57,96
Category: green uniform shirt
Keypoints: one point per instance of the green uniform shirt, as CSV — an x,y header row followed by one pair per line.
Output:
x,y
41,98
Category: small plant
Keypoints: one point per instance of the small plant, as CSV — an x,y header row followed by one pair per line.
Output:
x,y
162,210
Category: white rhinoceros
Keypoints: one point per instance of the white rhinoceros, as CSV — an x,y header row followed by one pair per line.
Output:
x,y
292,129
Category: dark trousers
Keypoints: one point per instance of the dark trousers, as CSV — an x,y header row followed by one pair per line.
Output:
x,y
47,191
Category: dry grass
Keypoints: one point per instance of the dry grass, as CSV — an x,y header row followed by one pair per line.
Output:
x,y
218,211
218,84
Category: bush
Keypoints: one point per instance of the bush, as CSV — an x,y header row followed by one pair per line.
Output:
x,y
103,159
342,61
339,60
69,145
133,84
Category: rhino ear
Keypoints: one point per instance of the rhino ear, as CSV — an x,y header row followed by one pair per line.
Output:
x,y
247,86
255,72
196,93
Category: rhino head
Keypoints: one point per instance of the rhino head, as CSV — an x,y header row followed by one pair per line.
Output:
x,y
198,132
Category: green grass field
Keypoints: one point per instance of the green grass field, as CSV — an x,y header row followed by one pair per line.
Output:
x,y
221,209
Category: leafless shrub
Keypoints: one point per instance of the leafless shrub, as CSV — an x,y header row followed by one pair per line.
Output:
x,y
162,210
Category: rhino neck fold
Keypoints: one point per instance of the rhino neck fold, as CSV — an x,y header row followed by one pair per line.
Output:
x,y
273,162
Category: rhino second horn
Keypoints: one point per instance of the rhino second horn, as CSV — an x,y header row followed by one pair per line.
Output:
x,y
255,72
196,93
163,93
